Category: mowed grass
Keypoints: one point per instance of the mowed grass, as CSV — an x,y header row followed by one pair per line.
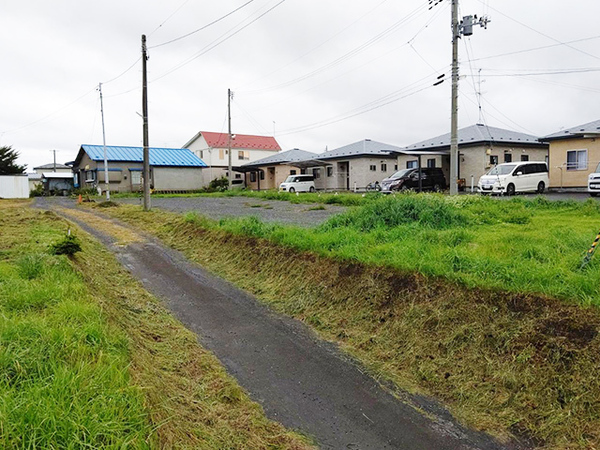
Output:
x,y
64,380
89,359
524,245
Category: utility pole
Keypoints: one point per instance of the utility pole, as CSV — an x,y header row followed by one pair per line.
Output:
x,y
230,173
145,117
107,187
454,118
54,151
465,27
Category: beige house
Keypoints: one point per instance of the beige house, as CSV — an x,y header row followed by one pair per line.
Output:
x,y
480,148
212,148
354,166
171,169
573,155
270,172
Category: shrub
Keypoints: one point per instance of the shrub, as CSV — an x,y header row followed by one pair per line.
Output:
x,y
68,246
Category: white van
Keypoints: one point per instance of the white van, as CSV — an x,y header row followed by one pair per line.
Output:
x,y
510,178
594,182
298,183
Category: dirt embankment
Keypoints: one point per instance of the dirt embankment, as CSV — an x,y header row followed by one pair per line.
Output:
x,y
504,362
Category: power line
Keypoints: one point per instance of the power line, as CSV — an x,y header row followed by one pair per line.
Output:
x,y
168,18
347,55
220,40
539,32
203,27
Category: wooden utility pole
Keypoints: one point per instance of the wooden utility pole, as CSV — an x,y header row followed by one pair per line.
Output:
x,y
106,186
145,117
454,119
230,169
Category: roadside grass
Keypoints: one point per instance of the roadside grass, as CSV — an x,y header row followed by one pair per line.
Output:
x,y
504,357
64,380
88,358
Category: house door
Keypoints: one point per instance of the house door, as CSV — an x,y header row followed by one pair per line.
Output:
x,y
344,175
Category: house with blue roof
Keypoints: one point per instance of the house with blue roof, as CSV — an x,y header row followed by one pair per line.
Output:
x,y
171,169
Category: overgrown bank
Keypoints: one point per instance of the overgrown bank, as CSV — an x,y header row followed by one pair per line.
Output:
x,y
504,362
89,359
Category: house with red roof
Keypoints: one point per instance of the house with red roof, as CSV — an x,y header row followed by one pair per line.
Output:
x,y
212,148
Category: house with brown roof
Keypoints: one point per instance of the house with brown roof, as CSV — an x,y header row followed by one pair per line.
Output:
x,y
212,148
574,153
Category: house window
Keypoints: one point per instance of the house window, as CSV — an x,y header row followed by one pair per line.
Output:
x,y
316,173
238,175
493,160
431,163
252,177
262,174
507,157
412,164
201,154
524,157
243,154
90,176
221,153
292,172
396,167
136,177
373,167
384,167
577,160
329,171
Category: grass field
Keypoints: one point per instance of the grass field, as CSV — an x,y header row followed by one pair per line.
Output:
x,y
89,359
520,245
428,292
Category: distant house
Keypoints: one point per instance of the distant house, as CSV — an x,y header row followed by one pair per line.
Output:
x,y
480,148
58,183
574,154
171,169
270,172
51,167
212,148
355,165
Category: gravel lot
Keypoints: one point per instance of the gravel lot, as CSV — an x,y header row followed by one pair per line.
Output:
x,y
266,210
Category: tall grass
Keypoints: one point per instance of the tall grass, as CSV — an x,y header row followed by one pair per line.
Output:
x,y
520,245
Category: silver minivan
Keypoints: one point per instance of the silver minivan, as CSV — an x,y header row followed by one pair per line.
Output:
x,y
298,183
510,178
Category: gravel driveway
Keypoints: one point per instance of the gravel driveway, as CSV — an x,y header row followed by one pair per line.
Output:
x,y
304,215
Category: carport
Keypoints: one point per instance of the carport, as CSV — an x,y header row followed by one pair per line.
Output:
x,y
445,154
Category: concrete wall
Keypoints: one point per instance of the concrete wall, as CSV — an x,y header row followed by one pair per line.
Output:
x,y
559,175
354,172
177,178
14,186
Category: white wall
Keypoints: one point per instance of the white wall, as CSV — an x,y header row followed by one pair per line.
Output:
x,y
14,186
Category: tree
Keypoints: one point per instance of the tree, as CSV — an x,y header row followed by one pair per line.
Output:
x,y
8,157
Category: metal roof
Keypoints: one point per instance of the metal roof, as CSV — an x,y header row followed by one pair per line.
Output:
x,y
476,134
592,128
238,141
366,147
176,157
51,166
57,175
287,157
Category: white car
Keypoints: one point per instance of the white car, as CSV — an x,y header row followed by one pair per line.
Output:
x,y
510,178
298,183
594,182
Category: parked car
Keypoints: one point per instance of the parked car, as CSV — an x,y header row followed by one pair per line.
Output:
x,y
594,182
298,183
432,178
510,178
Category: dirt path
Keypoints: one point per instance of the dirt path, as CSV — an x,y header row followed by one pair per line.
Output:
x,y
301,381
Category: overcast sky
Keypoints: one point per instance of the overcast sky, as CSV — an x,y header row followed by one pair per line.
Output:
x,y
318,74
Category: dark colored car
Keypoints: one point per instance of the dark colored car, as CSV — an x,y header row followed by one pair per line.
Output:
x,y
432,179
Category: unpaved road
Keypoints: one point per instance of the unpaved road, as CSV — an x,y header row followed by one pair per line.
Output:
x,y
304,215
301,381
